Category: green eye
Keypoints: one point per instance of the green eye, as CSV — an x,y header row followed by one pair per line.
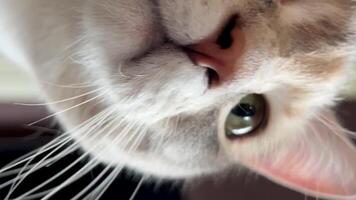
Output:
x,y
246,117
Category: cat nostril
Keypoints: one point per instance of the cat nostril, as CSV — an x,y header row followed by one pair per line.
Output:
x,y
213,77
225,39
219,55
207,62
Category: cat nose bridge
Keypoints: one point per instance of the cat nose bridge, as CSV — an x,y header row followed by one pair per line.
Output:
x,y
220,55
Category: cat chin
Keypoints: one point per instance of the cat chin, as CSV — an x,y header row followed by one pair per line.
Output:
x,y
157,165
182,154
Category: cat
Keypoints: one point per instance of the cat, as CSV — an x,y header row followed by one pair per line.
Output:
x,y
180,89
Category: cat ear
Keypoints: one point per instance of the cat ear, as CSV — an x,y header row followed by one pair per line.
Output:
x,y
321,164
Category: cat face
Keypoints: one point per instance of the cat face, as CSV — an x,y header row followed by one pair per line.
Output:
x,y
160,110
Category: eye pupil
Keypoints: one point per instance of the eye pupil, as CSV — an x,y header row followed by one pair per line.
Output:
x,y
246,117
244,110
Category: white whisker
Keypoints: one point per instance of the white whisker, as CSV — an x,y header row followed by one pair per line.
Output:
x,y
37,195
64,138
67,109
19,179
20,176
331,124
106,183
62,154
99,191
97,118
88,167
32,154
137,188
60,101
88,187
77,175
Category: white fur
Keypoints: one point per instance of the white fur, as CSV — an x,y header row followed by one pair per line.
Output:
x,y
152,87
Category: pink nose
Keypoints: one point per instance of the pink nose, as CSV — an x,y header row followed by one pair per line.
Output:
x,y
220,53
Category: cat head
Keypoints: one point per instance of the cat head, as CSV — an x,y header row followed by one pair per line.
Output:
x,y
168,74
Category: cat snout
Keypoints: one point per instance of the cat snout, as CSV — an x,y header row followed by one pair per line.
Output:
x,y
220,54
